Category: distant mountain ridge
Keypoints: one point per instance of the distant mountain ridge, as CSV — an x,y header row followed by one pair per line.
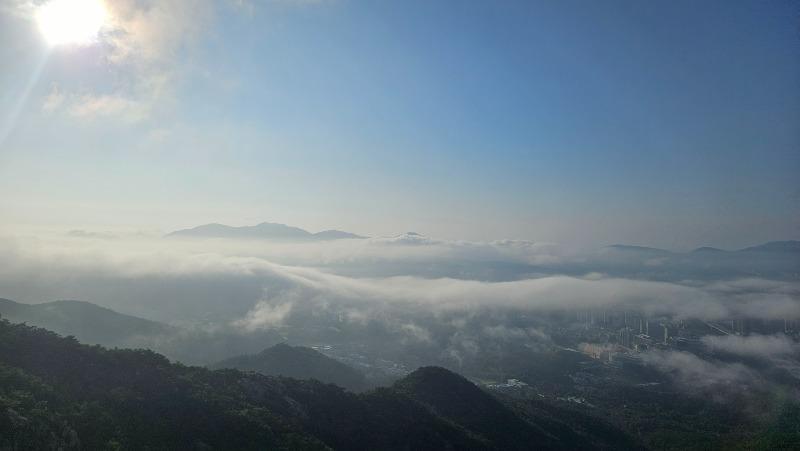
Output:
x,y
788,246
297,362
775,246
777,260
265,230
277,231
708,250
640,249
87,322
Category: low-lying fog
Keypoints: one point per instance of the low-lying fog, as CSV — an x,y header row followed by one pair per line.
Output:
x,y
416,299
257,283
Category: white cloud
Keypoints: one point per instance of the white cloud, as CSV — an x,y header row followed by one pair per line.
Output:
x,y
696,374
752,345
53,101
415,332
92,106
267,313
61,260
152,33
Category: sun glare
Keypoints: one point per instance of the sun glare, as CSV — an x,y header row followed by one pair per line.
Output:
x,y
76,22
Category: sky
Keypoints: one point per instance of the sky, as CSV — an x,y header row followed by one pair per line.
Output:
x,y
670,124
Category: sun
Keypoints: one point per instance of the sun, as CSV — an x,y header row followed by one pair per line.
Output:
x,y
71,22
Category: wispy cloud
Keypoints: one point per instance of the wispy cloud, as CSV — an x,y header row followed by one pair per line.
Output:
x,y
267,313
145,46
704,376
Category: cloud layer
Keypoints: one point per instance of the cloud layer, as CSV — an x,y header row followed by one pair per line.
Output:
x,y
321,273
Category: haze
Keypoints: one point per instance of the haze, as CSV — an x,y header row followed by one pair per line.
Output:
x,y
668,125
350,225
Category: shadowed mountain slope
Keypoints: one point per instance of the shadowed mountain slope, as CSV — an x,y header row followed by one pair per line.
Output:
x,y
462,402
300,363
88,322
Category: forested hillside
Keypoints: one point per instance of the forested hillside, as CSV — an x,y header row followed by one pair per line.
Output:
x,y
58,393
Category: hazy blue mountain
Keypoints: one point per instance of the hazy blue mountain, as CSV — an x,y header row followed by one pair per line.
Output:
x,y
265,230
300,363
87,322
627,248
775,260
708,250
336,235
772,247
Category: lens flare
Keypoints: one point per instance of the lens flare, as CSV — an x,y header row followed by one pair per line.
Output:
x,y
71,22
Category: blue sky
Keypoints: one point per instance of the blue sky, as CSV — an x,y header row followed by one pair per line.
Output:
x,y
658,123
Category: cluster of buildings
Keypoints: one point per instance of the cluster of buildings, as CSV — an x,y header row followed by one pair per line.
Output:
x,y
509,384
616,336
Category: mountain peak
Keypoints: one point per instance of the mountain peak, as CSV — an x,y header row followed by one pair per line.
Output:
x,y
337,235
457,399
435,382
708,250
264,230
298,362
